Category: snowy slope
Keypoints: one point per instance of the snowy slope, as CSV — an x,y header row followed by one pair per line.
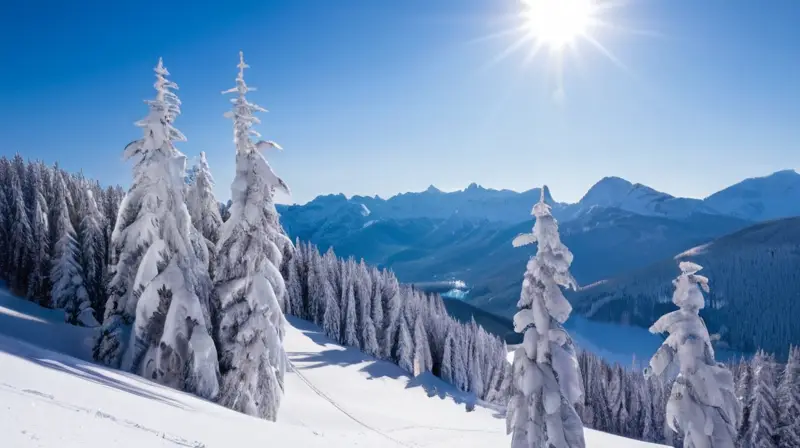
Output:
x,y
336,397
752,272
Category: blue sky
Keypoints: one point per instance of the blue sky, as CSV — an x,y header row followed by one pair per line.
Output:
x,y
378,97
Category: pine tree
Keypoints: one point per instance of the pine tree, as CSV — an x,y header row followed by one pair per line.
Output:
x,y
203,206
763,411
39,282
349,333
21,242
789,402
93,249
541,413
405,347
616,401
703,405
156,255
5,218
248,282
69,289
649,426
422,351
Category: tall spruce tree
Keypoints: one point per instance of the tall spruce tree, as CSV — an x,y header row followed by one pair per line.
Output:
x,y
703,406
69,285
248,281
541,413
93,249
763,425
39,282
21,243
156,317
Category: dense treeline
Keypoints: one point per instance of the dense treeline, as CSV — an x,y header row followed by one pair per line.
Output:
x,y
753,273
59,260
621,401
366,308
54,234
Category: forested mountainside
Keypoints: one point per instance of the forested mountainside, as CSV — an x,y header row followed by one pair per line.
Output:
x,y
755,294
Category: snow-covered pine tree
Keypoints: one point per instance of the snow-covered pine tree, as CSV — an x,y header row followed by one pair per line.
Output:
x,y
649,428
69,290
93,249
377,307
5,218
392,307
743,387
405,347
763,423
703,405
349,333
203,206
39,281
547,382
156,314
21,243
616,401
248,281
422,351
789,402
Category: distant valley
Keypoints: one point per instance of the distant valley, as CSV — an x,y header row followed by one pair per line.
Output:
x,y
617,228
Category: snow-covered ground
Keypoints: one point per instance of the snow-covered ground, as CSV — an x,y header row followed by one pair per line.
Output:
x,y
51,396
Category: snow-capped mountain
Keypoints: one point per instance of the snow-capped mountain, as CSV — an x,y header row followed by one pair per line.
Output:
x,y
752,272
473,202
466,235
760,198
615,192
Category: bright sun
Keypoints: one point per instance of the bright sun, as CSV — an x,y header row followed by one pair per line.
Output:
x,y
557,23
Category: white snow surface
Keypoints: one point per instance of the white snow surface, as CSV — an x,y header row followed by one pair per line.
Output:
x,y
335,397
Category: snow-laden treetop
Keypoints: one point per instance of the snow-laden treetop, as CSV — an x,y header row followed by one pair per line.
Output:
x,y
157,125
243,116
552,251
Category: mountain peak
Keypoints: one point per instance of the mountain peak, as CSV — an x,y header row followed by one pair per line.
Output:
x,y
432,189
473,187
606,191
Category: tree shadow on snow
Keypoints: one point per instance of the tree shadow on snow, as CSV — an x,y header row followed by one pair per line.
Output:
x,y
15,343
436,387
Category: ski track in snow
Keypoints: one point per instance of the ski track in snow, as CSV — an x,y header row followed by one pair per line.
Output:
x,y
340,408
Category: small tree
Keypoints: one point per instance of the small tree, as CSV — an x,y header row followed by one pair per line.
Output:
x,y
203,206
249,284
703,404
547,382
789,402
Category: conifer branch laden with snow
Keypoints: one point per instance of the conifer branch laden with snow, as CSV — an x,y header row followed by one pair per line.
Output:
x,y
703,404
156,318
249,285
546,380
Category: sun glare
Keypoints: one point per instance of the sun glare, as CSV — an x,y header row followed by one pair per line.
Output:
x,y
557,23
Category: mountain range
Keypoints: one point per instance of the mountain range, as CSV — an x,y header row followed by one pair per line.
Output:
x,y
616,228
